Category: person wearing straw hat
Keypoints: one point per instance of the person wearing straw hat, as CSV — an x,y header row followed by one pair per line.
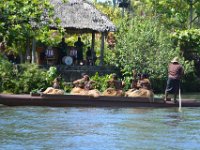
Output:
x,y
175,72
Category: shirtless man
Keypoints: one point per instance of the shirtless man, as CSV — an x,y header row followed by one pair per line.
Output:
x,y
115,87
84,86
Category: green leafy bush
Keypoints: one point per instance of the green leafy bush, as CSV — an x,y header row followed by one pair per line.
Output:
x,y
189,42
145,45
51,74
7,73
24,78
30,77
100,81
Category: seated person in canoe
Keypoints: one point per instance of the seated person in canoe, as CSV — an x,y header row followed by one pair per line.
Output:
x,y
134,83
84,86
115,87
55,89
144,88
79,84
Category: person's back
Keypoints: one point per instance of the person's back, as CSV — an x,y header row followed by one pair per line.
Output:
x,y
114,87
56,83
144,82
55,89
114,83
79,46
79,83
63,47
62,50
89,53
118,84
175,70
89,85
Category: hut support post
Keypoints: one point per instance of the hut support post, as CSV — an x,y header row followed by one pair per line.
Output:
x,y
93,43
28,57
102,49
33,51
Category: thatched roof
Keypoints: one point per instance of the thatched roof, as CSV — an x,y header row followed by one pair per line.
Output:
x,y
81,16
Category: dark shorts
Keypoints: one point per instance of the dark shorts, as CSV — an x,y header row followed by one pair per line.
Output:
x,y
172,85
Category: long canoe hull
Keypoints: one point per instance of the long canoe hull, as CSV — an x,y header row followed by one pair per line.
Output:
x,y
88,101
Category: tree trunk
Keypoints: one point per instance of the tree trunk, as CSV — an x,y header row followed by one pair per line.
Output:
x,y
28,53
33,51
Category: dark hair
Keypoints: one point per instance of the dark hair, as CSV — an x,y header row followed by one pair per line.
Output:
x,y
114,76
87,77
139,74
83,74
58,79
145,75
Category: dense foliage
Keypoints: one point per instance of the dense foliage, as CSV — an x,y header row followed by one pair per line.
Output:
x,y
188,40
150,34
21,20
189,43
100,81
24,78
173,14
145,45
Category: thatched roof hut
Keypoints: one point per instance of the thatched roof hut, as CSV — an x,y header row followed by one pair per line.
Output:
x,y
81,16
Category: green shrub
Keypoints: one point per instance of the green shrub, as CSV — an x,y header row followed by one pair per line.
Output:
x,y
7,75
24,78
30,78
100,81
145,45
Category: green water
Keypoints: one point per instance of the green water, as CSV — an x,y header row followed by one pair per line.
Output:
x,y
191,95
47,128
195,96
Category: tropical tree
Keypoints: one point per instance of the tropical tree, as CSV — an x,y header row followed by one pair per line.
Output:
x,y
189,43
113,14
20,20
145,45
24,78
173,14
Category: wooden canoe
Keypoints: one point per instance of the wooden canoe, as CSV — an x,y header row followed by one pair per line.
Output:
x,y
89,101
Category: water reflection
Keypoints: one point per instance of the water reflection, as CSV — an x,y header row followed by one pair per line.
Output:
x,y
98,128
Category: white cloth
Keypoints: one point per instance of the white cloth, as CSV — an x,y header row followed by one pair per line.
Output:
x,y
49,52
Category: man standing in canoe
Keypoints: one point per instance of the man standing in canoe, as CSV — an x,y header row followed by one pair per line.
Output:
x,y
175,72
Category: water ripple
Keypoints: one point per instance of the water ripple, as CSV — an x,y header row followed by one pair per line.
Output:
x,y
98,128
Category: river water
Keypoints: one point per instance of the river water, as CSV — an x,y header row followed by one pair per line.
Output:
x,y
48,128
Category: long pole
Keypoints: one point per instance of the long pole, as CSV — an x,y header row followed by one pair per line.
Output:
x,y
180,103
